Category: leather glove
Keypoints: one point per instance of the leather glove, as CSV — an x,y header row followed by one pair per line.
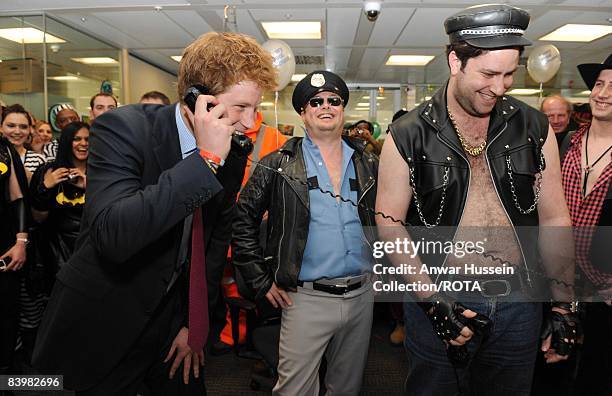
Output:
x,y
444,313
565,330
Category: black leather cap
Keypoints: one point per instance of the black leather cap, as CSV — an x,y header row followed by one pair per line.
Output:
x,y
315,82
590,71
489,26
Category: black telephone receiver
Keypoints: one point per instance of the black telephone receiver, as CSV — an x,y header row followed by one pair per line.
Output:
x,y
242,143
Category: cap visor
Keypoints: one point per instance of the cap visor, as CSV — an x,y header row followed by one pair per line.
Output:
x,y
504,41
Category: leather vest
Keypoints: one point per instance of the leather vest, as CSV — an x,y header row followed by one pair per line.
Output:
x,y
427,140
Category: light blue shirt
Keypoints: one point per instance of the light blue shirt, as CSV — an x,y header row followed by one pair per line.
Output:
x,y
336,246
186,138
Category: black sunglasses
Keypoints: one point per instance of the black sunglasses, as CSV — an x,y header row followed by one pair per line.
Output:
x,y
332,101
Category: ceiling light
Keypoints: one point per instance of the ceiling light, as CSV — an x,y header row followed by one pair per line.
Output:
x,y
409,60
523,91
63,78
103,60
293,30
266,104
29,36
177,58
365,97
576,32
297,77
587,92
363,104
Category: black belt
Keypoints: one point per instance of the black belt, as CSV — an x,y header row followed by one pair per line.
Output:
x,y
337,290
498,287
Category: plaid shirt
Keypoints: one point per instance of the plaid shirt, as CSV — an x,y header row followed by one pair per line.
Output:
x,y
584,211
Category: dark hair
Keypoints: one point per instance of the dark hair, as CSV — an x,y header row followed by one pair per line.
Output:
x,y
93,98
370,125
466,51
16,108
156,95
64,157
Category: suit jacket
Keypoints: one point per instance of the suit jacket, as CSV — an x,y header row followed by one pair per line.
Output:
x,y
139,191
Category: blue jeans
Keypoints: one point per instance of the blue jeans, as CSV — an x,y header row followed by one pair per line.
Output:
x,y
501,363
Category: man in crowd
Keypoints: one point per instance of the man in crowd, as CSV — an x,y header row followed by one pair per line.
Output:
x,y
316,256
60,115
130,307
587,181
99,104
154,97
559,111
364,129
455,161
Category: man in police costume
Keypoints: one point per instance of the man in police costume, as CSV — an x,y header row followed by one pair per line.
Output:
x,y
469,158
316,257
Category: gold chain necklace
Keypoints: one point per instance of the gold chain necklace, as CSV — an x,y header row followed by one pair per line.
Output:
x,y
474,151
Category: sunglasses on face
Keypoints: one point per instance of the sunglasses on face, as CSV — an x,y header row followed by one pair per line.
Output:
x,y
332,101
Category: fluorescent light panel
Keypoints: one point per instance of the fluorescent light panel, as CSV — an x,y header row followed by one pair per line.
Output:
x,y
297,77
63,78
409,60
577,32
177,58
523,91
102,60
29,35
293,30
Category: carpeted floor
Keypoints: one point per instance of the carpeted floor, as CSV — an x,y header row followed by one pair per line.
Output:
x,y
384,375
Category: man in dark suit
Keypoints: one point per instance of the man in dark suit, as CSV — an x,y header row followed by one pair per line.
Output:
x,y
119,314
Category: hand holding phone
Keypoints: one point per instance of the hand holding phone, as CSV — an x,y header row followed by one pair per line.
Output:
x,y
211,126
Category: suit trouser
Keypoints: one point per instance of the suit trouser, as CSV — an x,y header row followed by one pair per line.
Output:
x,y
318,323
144,362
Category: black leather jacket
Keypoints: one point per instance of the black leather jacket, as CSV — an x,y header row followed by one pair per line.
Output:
x,y
285,197
426,139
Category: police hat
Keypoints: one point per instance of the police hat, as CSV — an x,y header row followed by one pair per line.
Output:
x,y
489,26
315,82
590,71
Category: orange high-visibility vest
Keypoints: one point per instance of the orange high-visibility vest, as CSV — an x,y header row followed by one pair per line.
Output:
x,y
266,139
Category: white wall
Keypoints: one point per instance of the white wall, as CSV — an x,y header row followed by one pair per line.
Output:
x,y
144,77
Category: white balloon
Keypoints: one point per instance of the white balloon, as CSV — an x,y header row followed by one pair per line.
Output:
x,y
283,61
543,63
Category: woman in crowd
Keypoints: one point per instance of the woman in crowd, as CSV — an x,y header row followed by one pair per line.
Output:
x,y
16,127
41,135
58,191
13,240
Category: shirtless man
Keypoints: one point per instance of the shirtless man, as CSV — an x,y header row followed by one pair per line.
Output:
x,y
469,159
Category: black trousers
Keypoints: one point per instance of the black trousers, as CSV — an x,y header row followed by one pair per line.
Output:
x,y
143,369
9,317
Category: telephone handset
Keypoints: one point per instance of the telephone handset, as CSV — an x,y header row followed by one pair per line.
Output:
x,y
240,142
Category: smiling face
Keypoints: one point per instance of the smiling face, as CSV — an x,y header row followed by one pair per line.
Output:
x,y
102,104
241,101
557,112
326,119
80,145
65,117
43,134
483,79
601,97
16,128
